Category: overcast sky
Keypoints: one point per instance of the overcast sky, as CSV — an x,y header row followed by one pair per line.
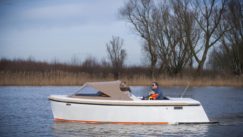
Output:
x,y
61,29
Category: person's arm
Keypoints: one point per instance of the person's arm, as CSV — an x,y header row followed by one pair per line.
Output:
x,y
160,94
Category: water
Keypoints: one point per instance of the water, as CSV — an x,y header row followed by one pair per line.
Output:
x,y
26,112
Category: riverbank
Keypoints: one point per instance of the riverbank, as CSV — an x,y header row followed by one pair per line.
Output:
x,y
77,79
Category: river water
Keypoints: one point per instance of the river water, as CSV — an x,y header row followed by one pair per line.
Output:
x,y
26,112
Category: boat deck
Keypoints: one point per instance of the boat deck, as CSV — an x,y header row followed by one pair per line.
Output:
x,y
169,102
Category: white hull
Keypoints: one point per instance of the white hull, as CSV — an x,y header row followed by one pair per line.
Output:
x,y
172,111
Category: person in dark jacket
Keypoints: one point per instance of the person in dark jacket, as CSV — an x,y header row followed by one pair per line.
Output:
x,y
155,88
155,93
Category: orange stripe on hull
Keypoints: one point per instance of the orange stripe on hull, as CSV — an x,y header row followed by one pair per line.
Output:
x,y
108,122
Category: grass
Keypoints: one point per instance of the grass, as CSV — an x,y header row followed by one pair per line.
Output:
x,y
168,82
60,78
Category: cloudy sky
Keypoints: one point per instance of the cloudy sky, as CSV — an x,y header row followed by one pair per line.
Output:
x,y
63,29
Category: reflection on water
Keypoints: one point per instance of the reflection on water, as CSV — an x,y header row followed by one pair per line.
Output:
x,y
78,129
26,111
230,119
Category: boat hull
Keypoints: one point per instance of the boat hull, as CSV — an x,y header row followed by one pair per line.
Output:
x,y
157,112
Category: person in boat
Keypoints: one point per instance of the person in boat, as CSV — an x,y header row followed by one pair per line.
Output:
x,y
126,89
155,93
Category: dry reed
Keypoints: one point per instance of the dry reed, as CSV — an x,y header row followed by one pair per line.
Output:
x,y
60,78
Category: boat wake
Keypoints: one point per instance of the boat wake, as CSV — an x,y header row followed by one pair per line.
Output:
x,y
230,119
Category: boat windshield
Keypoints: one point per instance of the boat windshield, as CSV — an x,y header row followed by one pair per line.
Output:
x,y
89,91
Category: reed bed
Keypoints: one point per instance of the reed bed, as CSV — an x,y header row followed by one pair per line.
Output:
x,y
195,82
60,78
42,78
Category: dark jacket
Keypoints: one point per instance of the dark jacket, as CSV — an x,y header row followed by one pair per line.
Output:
x,y
158,91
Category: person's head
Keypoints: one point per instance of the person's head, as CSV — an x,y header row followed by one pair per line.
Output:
x,y
124,87
123,84
155,85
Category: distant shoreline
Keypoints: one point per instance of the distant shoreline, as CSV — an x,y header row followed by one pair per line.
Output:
x,y
78,79
36,73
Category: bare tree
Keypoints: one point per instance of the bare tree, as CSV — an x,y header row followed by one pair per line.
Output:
x,y
208,18
178,34
75,60
116,55
190,34
138,13
169,32
229,57
233,39
90,65
173,30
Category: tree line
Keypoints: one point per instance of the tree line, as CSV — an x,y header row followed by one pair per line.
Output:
x,y
91,66
179,34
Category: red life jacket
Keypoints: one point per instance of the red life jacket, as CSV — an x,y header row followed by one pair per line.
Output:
x,y
153,96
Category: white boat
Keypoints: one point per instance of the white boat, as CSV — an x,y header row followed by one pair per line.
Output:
x,y
104,102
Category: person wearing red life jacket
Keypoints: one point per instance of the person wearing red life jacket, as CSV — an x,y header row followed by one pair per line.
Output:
x,y
155,93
